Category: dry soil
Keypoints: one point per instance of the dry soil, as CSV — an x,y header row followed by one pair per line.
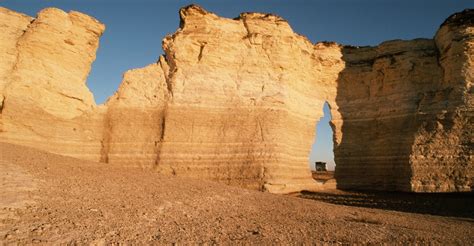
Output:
x,y
47,198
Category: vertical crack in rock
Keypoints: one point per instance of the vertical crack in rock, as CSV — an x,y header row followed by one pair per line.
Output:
x,y
163,126
201,49
171,69
242,18
2,104
104,150
106,138
168,68
159,143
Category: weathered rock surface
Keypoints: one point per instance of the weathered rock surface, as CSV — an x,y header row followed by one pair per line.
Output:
x,y
412,100
236,101
378,97
44,100
134,123
442,156
239,118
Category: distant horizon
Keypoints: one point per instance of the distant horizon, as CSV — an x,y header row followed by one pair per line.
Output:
x,y
134,31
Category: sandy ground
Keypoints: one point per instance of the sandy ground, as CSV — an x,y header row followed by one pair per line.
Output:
x,y
47,198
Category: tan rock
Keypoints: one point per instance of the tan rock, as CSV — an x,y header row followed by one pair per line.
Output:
x,y
236,101
55,54
12,27
378,98
134,123
244,101
407,112
442,157
45,101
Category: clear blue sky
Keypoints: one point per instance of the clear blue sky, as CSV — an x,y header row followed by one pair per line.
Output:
x,y
135,29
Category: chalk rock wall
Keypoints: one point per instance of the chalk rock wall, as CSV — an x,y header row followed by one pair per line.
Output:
x,y
12,28
237,100
442,153
45,102
407,113
378,97
134,122
232,100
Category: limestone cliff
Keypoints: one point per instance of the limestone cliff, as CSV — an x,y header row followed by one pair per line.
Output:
x,y
134,123
378,97
237,100
45,102
412,102
442,157
232,100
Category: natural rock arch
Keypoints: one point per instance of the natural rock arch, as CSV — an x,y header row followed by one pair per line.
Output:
x,y
324,134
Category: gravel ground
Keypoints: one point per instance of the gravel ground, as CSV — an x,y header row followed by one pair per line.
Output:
x,y
47,198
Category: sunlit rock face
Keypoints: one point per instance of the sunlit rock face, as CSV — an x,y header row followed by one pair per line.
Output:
x,y
44,100
237,100
232,100
134,123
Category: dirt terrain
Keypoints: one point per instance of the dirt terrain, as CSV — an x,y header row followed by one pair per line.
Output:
x,y
47,198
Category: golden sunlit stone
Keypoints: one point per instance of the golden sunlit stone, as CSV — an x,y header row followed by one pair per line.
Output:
x,y
236,101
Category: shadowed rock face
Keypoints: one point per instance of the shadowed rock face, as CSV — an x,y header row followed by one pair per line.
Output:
x,y
378,97
407,113
236,101
442,152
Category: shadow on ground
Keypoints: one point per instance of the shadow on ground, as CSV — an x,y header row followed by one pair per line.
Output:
x,y
444,204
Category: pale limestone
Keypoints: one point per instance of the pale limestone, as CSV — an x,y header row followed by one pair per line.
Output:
x,y
442,157
54,57
236,101
378,98
45,99
135,117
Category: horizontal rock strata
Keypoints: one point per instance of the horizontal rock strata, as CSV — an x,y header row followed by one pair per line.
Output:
x,y
442,157
412,100
222,104
378,97
237,100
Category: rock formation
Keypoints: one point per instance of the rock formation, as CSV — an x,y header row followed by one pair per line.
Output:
x,y
236,101
239,118
379,95
443,152
44,100
413,102
135,119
